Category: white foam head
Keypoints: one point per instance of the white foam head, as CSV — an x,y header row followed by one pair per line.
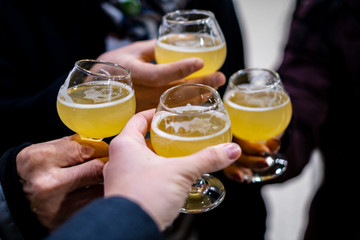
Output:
x,y
270,105
198,124
97,96
188,46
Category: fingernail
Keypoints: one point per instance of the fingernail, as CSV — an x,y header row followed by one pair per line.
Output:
x,y
219,79
237,177
198,64
232,150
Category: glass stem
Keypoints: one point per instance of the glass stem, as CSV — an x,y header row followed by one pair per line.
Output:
x,y
199,187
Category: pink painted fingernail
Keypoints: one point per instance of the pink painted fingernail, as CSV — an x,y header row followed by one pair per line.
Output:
x,y
232,150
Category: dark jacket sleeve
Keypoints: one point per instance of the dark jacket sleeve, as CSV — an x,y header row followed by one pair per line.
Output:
x,y
109,218
17,221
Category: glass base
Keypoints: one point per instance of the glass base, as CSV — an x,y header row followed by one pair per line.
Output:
x,y
205,194
277,167
91,139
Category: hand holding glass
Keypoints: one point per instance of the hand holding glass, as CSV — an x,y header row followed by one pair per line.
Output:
x,y
97,99
191,33
259,109
189,118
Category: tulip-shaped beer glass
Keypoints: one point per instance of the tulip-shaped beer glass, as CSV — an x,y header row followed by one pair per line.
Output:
x,y
191,33
97,99
189,118
259,109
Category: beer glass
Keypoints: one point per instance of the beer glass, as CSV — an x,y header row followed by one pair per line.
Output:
x,y
191,33
97,99
189,118
259,109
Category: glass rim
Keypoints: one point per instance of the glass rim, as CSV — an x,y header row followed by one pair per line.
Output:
x,y
208,14
235,75
213,106
126,75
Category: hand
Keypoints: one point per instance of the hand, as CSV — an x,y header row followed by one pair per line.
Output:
x,y
59,176
151,80
253,157
159,185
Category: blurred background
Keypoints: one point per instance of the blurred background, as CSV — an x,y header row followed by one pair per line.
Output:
x,y
265,25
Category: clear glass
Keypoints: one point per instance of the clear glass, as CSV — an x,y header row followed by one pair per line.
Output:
x,y
259,109
189,118
191,33
97,99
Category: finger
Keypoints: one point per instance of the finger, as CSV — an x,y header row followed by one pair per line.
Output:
x,y
144,48
91,149
144,51
104,159
86,174
252,148
214,80
133,134
251,161
138,125
212,159
163,74
273,144
238,174
234,173
69,151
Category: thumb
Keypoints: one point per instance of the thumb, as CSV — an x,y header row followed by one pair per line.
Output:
x,y
163,74
214,158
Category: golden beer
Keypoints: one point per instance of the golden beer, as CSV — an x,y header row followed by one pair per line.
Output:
x,y
179,135
96,109
174,47
258,116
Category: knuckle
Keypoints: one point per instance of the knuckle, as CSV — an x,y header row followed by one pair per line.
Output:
x,y
84,152
119,143
79,153
154,79
44,183
214,157
37,154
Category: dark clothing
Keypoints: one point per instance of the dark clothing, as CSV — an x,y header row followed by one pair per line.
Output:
x,y
109,218
321,72
39,44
